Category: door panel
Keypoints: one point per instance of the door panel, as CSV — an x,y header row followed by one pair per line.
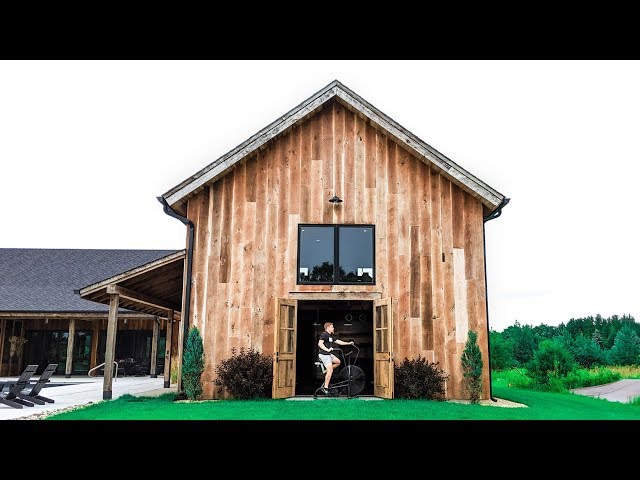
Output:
x,y
284,366
383,346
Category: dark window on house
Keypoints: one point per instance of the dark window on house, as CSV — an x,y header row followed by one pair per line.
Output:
x,y
334,254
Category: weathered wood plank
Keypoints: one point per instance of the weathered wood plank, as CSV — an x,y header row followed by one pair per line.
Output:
x,y
458,216
250,179
338,160
347,182
260,280
437,272
225,231
460,296
326,184
453,366
415,274
293,155
212,293
236,278
305,168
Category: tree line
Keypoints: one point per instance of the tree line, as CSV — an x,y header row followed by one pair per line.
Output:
x,y
591,341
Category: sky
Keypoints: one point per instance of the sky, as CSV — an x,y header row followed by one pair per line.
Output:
x,y
87,146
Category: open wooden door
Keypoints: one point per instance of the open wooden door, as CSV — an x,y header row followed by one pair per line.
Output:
x,y
383,348
284,366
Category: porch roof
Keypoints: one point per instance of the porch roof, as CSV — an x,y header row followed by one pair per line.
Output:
x,y
153,288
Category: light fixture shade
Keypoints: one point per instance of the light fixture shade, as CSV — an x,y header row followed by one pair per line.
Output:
x,y
335,199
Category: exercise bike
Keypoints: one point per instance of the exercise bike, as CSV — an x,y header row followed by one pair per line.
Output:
x,y
350,378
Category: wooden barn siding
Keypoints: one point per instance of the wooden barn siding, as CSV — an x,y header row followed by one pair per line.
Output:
x,y
245,253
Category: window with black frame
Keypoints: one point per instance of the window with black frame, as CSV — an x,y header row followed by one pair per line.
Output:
x,y
336,254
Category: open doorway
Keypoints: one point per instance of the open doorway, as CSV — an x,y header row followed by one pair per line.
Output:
x,y
352,320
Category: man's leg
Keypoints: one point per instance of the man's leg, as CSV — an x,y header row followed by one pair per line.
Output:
x,y
327,376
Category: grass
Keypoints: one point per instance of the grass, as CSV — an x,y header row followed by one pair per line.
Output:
x,y
578,378
542,406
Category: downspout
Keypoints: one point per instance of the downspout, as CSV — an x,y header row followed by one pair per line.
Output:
x,y
495,214
187,304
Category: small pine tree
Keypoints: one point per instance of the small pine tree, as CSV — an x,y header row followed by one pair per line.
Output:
x,y
193,365
472,367
597,337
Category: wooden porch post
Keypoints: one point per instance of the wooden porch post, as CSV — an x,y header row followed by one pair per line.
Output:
x,y
72,335
93,360
167,352
110,350
154,346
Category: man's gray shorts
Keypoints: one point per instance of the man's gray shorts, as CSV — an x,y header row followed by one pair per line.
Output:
x,y
327,359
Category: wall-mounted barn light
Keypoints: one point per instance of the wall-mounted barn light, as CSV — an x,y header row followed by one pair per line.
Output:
x,y
335,200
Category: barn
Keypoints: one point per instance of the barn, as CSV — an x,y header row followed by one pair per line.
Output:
x,y
335,212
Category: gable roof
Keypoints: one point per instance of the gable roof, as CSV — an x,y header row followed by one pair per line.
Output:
x,y
447,167
44,280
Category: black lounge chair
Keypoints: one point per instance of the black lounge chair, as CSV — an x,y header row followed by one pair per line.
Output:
x,y
34,395
11,398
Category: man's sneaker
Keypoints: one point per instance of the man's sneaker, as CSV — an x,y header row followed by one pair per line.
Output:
x,y
324,390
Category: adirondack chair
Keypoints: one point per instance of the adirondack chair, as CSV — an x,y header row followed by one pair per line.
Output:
x,y
34,395
11,398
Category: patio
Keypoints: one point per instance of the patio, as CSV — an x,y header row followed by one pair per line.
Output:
x,y
83,390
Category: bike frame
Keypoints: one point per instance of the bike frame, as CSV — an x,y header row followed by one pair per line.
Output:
x,y
347,365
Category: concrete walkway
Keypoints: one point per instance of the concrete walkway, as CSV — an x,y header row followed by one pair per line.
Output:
x,y
621,391
82,391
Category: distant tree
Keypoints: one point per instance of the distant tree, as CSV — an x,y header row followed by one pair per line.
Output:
x,y
524,343
626,348
501,351
586,352
597,337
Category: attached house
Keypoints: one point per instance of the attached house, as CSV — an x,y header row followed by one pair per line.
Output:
x,y
43,320
335,212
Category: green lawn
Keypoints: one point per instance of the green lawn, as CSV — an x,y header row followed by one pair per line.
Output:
x,y
542,406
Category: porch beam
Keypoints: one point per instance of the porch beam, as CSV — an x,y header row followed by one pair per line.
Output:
x,y
139,297
72,336
335,295
109,354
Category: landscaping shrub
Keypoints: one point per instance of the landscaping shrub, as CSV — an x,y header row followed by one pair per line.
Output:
x,y
550,362
635,401
193,365
582,377
472,367
174,370
515,377
247,374
418,378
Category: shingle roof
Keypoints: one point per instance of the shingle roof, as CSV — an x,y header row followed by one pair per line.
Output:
x,y
44,280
